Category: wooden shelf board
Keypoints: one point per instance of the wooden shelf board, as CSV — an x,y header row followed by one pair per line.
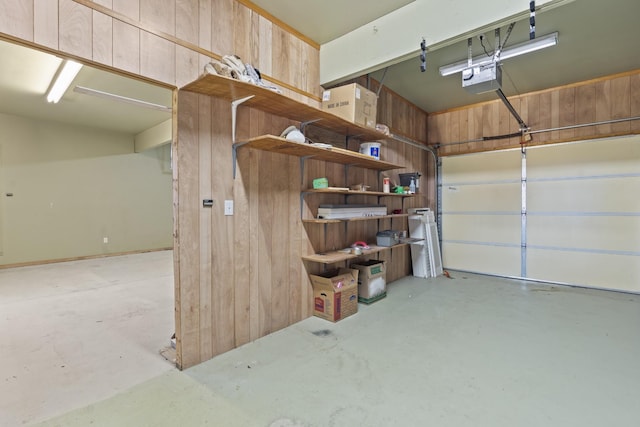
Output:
x,y
276,144
275,103
322,221
412,241
337,256
359,218
354,192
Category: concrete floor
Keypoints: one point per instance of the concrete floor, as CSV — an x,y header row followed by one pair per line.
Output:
x,y
467,351
78,332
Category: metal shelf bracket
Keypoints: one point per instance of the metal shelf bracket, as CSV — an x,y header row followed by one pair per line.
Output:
x,y
303,125
234,155
234,112
234,120
302,161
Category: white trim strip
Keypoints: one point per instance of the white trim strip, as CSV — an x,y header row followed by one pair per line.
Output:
x,y
579,178
497,213
585,214
584,250
475,243
500,181
544,248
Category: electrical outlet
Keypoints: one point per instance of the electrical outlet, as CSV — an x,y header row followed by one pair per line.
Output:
x,y
105,240
228,207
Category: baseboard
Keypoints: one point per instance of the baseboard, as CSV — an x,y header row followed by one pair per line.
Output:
x,y
79,258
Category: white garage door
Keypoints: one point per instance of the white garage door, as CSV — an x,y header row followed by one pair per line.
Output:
x,y
481,212
581,221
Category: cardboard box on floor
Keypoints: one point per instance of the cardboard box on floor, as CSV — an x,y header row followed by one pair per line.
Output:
x,y
372,279
335,294
352,102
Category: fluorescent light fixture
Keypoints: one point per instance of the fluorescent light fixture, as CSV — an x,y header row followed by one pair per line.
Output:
x,y
513,51
63,81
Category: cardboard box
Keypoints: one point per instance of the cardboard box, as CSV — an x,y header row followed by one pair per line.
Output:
x,y
352,102
335,294
372,280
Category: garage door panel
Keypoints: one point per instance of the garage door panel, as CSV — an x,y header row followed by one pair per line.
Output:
x,y
589,195
483,228
481,212
482,167
481,198
585,232
599,157
582,213
482,258
583,222
617,272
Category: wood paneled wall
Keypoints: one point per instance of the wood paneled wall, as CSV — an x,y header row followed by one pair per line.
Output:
x,y
241,277
402,117
238,276
166,41
169,42
604,99
407,120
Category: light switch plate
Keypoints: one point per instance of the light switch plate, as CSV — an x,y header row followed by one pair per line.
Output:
x,y
228,207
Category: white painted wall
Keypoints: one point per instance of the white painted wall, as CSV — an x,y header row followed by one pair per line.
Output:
x,y
74,186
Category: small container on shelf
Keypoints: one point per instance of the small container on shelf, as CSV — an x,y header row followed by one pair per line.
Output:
x,y
388,238
320,183
360,187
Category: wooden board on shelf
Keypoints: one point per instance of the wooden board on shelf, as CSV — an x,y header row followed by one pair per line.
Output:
x,y
338,256
275,103
276,144
354,192
360,218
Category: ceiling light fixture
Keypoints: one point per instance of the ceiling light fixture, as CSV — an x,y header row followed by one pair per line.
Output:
x,y
63,80
513,51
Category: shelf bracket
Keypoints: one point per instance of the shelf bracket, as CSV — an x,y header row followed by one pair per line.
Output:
x,y
305,124
325,226
234,111
346,141
234,155
302,196
302,160
346,175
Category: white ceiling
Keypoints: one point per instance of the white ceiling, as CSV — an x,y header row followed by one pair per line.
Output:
x,y
325,20
25,76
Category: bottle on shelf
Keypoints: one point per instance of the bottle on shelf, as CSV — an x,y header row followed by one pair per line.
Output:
x,y
412,186
386,185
